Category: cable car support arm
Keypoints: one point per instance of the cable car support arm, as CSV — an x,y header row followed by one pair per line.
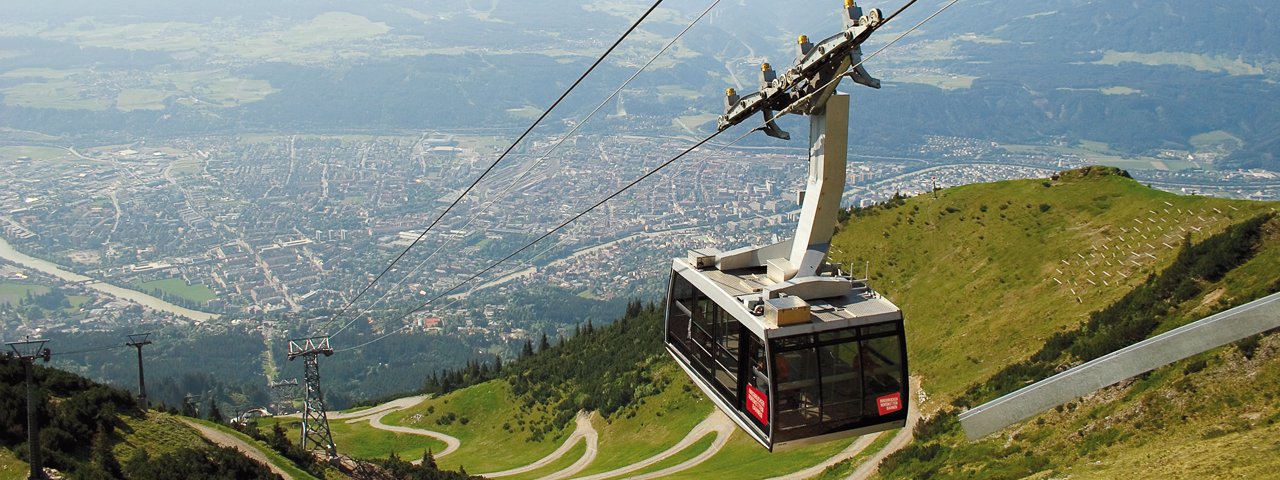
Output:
x,y
808,88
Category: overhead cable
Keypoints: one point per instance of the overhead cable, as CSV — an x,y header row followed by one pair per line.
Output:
x,y
89,350
537,163
491,166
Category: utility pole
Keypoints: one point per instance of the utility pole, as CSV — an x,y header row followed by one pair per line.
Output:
x,y
315,422
27,351
137,340
282,390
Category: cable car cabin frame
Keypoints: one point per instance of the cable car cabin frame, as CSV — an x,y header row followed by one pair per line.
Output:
x,y
790,347
841,372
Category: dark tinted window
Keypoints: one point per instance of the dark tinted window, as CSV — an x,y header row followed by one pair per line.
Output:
x,y
707,335
837,380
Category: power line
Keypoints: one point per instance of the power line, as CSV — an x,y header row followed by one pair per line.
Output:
x,y
780,114
388,334
491,166
572,219
535,241
90,349
543,236
375,340
536,164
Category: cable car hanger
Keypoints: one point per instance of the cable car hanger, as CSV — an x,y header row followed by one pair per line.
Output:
x,y
807,88
811,81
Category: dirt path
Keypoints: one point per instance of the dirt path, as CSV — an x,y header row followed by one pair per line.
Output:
x,y
851,451
374,417
584,430
397,404
901,440
721,426
716,423
593,447
222,438
375,421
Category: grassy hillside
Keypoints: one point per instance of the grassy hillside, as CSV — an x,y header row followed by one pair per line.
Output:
x,y
360,440
980,265
986,274
275,457
483,418
156,433
644,404
742,457
653,423
89,430
11,466
1214,414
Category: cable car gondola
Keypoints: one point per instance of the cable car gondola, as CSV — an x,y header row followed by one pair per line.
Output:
x,y
792,348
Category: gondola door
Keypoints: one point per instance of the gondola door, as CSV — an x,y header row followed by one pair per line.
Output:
x,y
756,392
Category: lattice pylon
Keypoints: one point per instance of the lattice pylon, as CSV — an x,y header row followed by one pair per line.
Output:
x,y
315,422
283,393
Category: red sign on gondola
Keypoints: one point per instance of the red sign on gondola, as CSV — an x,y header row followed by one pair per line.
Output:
x,y
758,404
889,403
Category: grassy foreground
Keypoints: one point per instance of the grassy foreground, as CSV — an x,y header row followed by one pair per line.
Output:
x,y
987,273
480,417
1008,264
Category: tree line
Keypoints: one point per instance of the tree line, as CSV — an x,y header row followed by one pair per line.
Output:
x,y
81,420
602,369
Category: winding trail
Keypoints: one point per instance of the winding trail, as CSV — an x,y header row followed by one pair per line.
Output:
x,y
849,452
722,426
223,439
397,404
584,430
374,417
715,423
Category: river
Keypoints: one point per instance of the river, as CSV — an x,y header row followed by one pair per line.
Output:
x,y
7,252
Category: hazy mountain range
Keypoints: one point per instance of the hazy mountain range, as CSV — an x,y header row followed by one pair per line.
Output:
x,y
1139,76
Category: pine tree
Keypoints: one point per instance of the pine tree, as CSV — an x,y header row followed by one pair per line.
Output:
x,y
429,461
215,415
527,350
543,344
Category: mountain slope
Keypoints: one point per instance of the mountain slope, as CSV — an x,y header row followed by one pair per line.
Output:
x,y
987,297
89,430
980,265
